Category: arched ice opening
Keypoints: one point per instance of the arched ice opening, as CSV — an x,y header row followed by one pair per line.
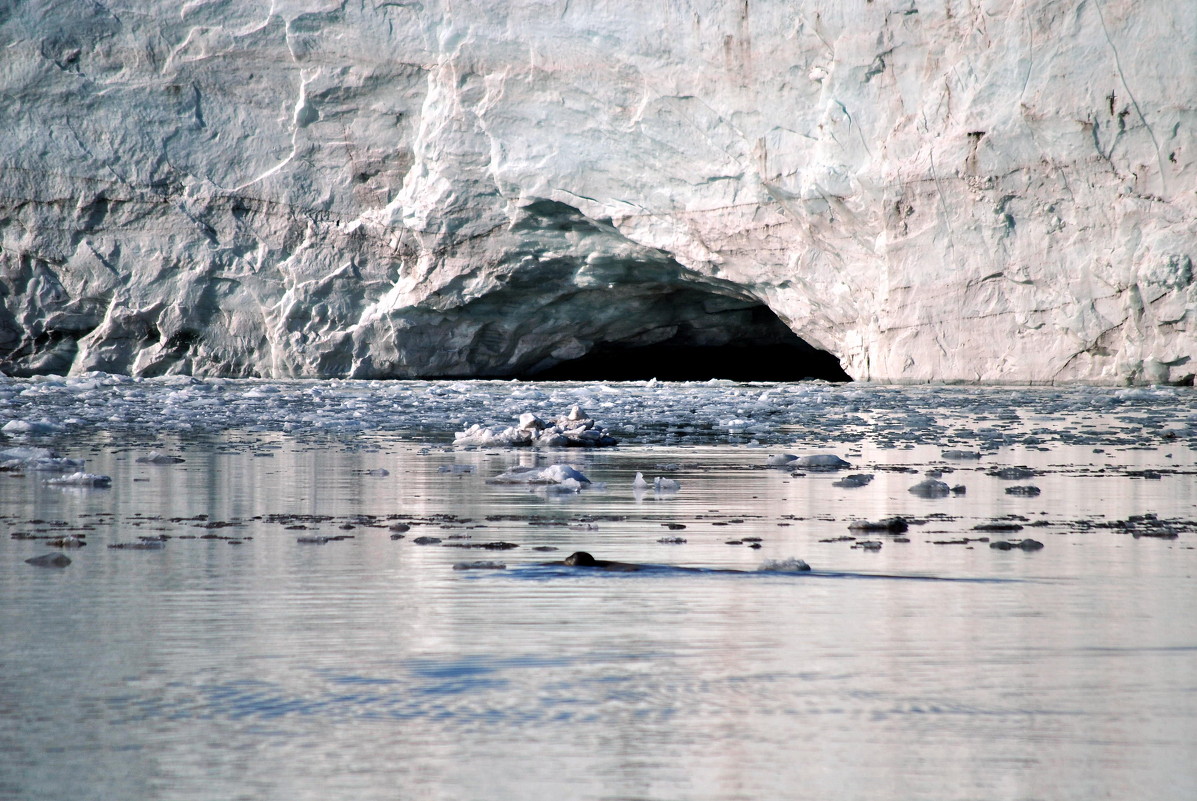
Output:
x,y
692,335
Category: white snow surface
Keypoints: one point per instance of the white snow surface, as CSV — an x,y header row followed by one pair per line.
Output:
x,y
956,191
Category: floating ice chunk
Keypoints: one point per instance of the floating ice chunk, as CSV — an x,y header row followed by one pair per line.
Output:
x,y
553,474
378,472
25,454
81,479
781,460
495,436
790,565
569,486
30,427
820,462
666,485
854,480
530,422
930,488
961,455
639,482
574,429
154,457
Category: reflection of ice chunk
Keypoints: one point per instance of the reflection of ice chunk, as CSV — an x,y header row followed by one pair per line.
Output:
x,y
784,566
553,474
81,479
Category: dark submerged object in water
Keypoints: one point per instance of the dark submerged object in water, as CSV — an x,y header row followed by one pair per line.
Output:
x,y
583,559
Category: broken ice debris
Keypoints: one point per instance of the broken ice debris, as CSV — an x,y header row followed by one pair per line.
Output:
x,y
573,430
81,479
553,474
155,457
659,484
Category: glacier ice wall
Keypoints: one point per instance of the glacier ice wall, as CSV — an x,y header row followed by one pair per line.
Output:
x,y
976,191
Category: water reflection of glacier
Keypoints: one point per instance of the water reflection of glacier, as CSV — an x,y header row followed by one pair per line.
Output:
x,y
237,662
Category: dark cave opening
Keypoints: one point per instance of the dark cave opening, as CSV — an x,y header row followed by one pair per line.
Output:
x,y
729,339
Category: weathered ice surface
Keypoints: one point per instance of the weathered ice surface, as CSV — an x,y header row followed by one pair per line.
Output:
x,y
964,191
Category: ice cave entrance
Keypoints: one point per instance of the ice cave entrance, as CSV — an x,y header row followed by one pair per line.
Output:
x,y
739,341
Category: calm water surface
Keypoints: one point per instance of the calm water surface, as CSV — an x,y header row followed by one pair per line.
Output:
x,y
250,665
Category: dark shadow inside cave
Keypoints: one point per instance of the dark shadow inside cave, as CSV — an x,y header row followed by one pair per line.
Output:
x,y
735,340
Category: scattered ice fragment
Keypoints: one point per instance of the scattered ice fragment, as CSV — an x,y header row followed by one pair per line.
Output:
x,y
661,484
151,544
854,480
1025,545
820,462
1012,473
553,474
1027,491
456,468
574,429
17,427
930,488
81,479
154,457
530,422
379,472
961,455
890,525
